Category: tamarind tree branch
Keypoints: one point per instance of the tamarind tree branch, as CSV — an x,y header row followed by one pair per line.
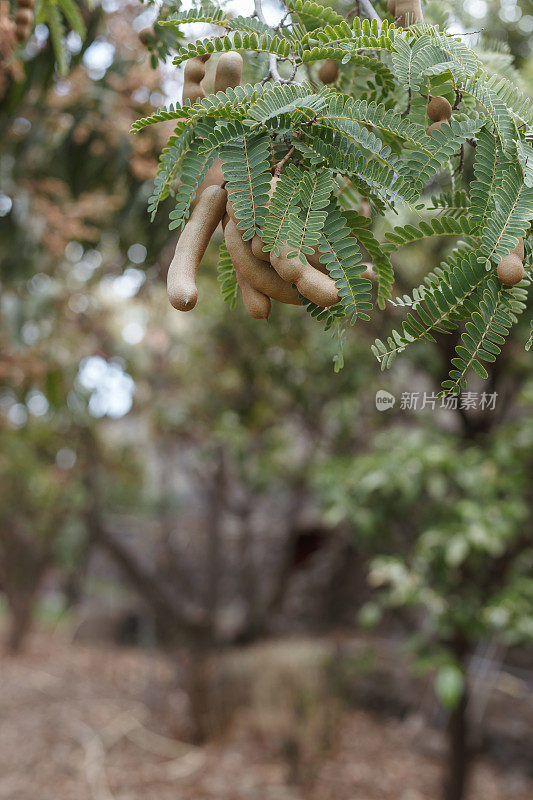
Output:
x,y
279,166
272,59
368,10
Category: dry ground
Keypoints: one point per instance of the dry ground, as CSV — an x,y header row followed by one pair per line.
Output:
x,y
81,722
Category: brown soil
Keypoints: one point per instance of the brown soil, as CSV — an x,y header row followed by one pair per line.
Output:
x,y
82,722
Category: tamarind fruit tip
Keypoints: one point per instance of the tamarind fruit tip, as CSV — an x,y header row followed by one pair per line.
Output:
x,y
510,270
439,109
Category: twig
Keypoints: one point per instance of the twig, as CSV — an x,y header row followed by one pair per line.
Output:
x,y
459,167
458,99
368,10
279,166
272,59
409,99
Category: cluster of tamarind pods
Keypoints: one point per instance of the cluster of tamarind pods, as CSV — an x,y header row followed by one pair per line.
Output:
x,y
262,276
510,270
405,12
24,19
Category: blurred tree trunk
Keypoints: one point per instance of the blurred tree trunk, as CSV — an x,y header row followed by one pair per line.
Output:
x,y
459,752
21,607
21,573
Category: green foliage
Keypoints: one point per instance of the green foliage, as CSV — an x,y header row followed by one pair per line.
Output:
x,y
342,257
193,169
462,555
227,276
485,334
368,141
246,167
54,13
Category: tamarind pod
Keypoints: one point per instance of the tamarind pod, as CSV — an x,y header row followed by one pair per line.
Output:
x,y
312,284
213,177
369,271
364,208
194,70
290,269
314,260
439,109
228,72
329,71
391,7
273,184
318,287
26,3
225,220
231,212
192,244
519,249
257,249
436,126
146,35
257,273
510,270
408,12
192,76
192,92
24,17
22,32
258,305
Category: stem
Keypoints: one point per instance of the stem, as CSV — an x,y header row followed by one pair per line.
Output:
x,y
409,100
272,59
279,166
368,10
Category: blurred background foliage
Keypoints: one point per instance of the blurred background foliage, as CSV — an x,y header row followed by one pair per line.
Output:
x,y
239,487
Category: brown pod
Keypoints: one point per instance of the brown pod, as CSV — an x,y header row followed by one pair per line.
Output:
x,y
318,287
229,72
369,271
213,177
408,12
436,126
146,36
510,270
273,184
257,249
391,7
26,3
290,269
519,250
192,76
258,305
312,284
314,260
231,212
329,71
439,109
24,17
22,32
261,276
364,208
192,244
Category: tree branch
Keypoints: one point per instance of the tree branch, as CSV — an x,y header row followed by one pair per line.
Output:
x,y
368,10
272,59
